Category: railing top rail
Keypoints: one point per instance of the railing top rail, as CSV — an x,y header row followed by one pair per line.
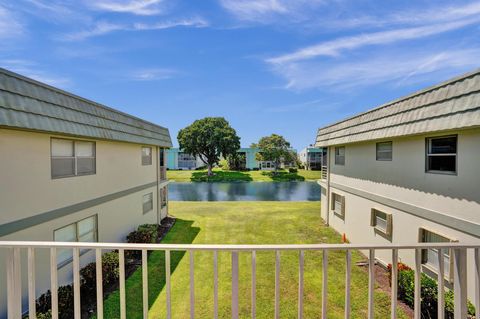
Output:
x,y
182,247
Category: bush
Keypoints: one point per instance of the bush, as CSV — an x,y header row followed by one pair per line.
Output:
x,y
429,294
110,272
292,170
65,303
145,234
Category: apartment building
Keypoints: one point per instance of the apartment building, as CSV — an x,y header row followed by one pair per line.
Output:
x,y
311,158
407,172
73,170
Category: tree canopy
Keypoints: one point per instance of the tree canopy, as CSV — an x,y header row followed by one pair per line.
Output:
x,y
209,138
274,148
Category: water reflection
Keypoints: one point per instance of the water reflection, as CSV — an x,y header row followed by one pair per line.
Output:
x,y
246,191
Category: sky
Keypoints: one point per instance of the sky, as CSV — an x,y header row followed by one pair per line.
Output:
x,y
268,66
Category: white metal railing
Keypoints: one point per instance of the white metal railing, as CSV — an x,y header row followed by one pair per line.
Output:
x,y
459,261
324,172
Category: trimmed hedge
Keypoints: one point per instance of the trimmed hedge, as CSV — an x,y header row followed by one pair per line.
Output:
x,y
110,272
145,234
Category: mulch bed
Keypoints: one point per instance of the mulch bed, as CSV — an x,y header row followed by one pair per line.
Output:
x,y
382,279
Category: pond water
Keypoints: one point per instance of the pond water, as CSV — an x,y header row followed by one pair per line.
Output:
x,y
244,191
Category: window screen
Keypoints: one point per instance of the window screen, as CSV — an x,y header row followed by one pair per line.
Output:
x,y
381,221
147,203
430,256
340,155
442,154
384,151
84,230
146,156
72,158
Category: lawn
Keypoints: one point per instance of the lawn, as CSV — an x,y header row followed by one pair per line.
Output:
x,y
243,176
249,223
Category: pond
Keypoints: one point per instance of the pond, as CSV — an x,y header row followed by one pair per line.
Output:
x,y
244,191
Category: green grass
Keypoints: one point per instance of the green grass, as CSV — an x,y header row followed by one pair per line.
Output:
x,y
240,176
249,223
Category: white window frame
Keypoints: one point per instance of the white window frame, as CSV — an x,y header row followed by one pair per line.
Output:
x,y
377,151
62,263
376,214
448,268
339,211
340,159
149,158
74,157
147,206
428,154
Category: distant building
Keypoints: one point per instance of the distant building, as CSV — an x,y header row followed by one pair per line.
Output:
x,y
178,160
73,170
407,172
311,158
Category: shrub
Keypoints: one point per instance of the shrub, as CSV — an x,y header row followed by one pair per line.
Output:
x,y
65,303
429,294
145,234
110,272
292,170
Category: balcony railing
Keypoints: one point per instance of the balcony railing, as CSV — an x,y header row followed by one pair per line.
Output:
x,y
324,172
459,255
163,173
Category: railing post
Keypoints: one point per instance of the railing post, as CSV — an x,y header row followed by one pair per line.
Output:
x,y
348,272
460,282
145,283
14,285
300,284
32,311
277,284
121,261
192,284
167,284
324,283
477,282
76,284
54,281
254,284
99,276
417,307
235,284
441,289
394,284
371,283
215,284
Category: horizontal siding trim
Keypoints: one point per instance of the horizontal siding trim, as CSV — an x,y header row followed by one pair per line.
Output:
x,y
18,225
431,215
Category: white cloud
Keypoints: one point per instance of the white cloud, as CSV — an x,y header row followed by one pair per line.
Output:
x,y
407,69
10,25
32,70
334,48
138,7
154,74
263,10
103,27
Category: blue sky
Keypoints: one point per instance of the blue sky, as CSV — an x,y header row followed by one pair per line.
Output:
x,y
268,66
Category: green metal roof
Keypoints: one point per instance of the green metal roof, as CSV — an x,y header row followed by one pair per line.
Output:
x,y
31,105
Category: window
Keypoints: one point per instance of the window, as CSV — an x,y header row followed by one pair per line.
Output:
x,y
381,221
338,205
340,155
84,230
442,154
146,156
147,202
430,256
384,151
163,197
72,158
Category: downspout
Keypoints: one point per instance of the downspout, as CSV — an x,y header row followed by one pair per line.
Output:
x,y
159,219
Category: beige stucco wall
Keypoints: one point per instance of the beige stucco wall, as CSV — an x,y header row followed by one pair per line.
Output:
x,y
26,189
404,179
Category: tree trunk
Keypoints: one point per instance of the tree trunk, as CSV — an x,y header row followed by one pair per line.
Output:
x,y
209,170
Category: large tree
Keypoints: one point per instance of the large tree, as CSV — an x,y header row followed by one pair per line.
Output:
x,y
209,138
274,148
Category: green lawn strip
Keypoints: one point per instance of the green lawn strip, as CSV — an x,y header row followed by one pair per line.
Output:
x,y
249,223
241,176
